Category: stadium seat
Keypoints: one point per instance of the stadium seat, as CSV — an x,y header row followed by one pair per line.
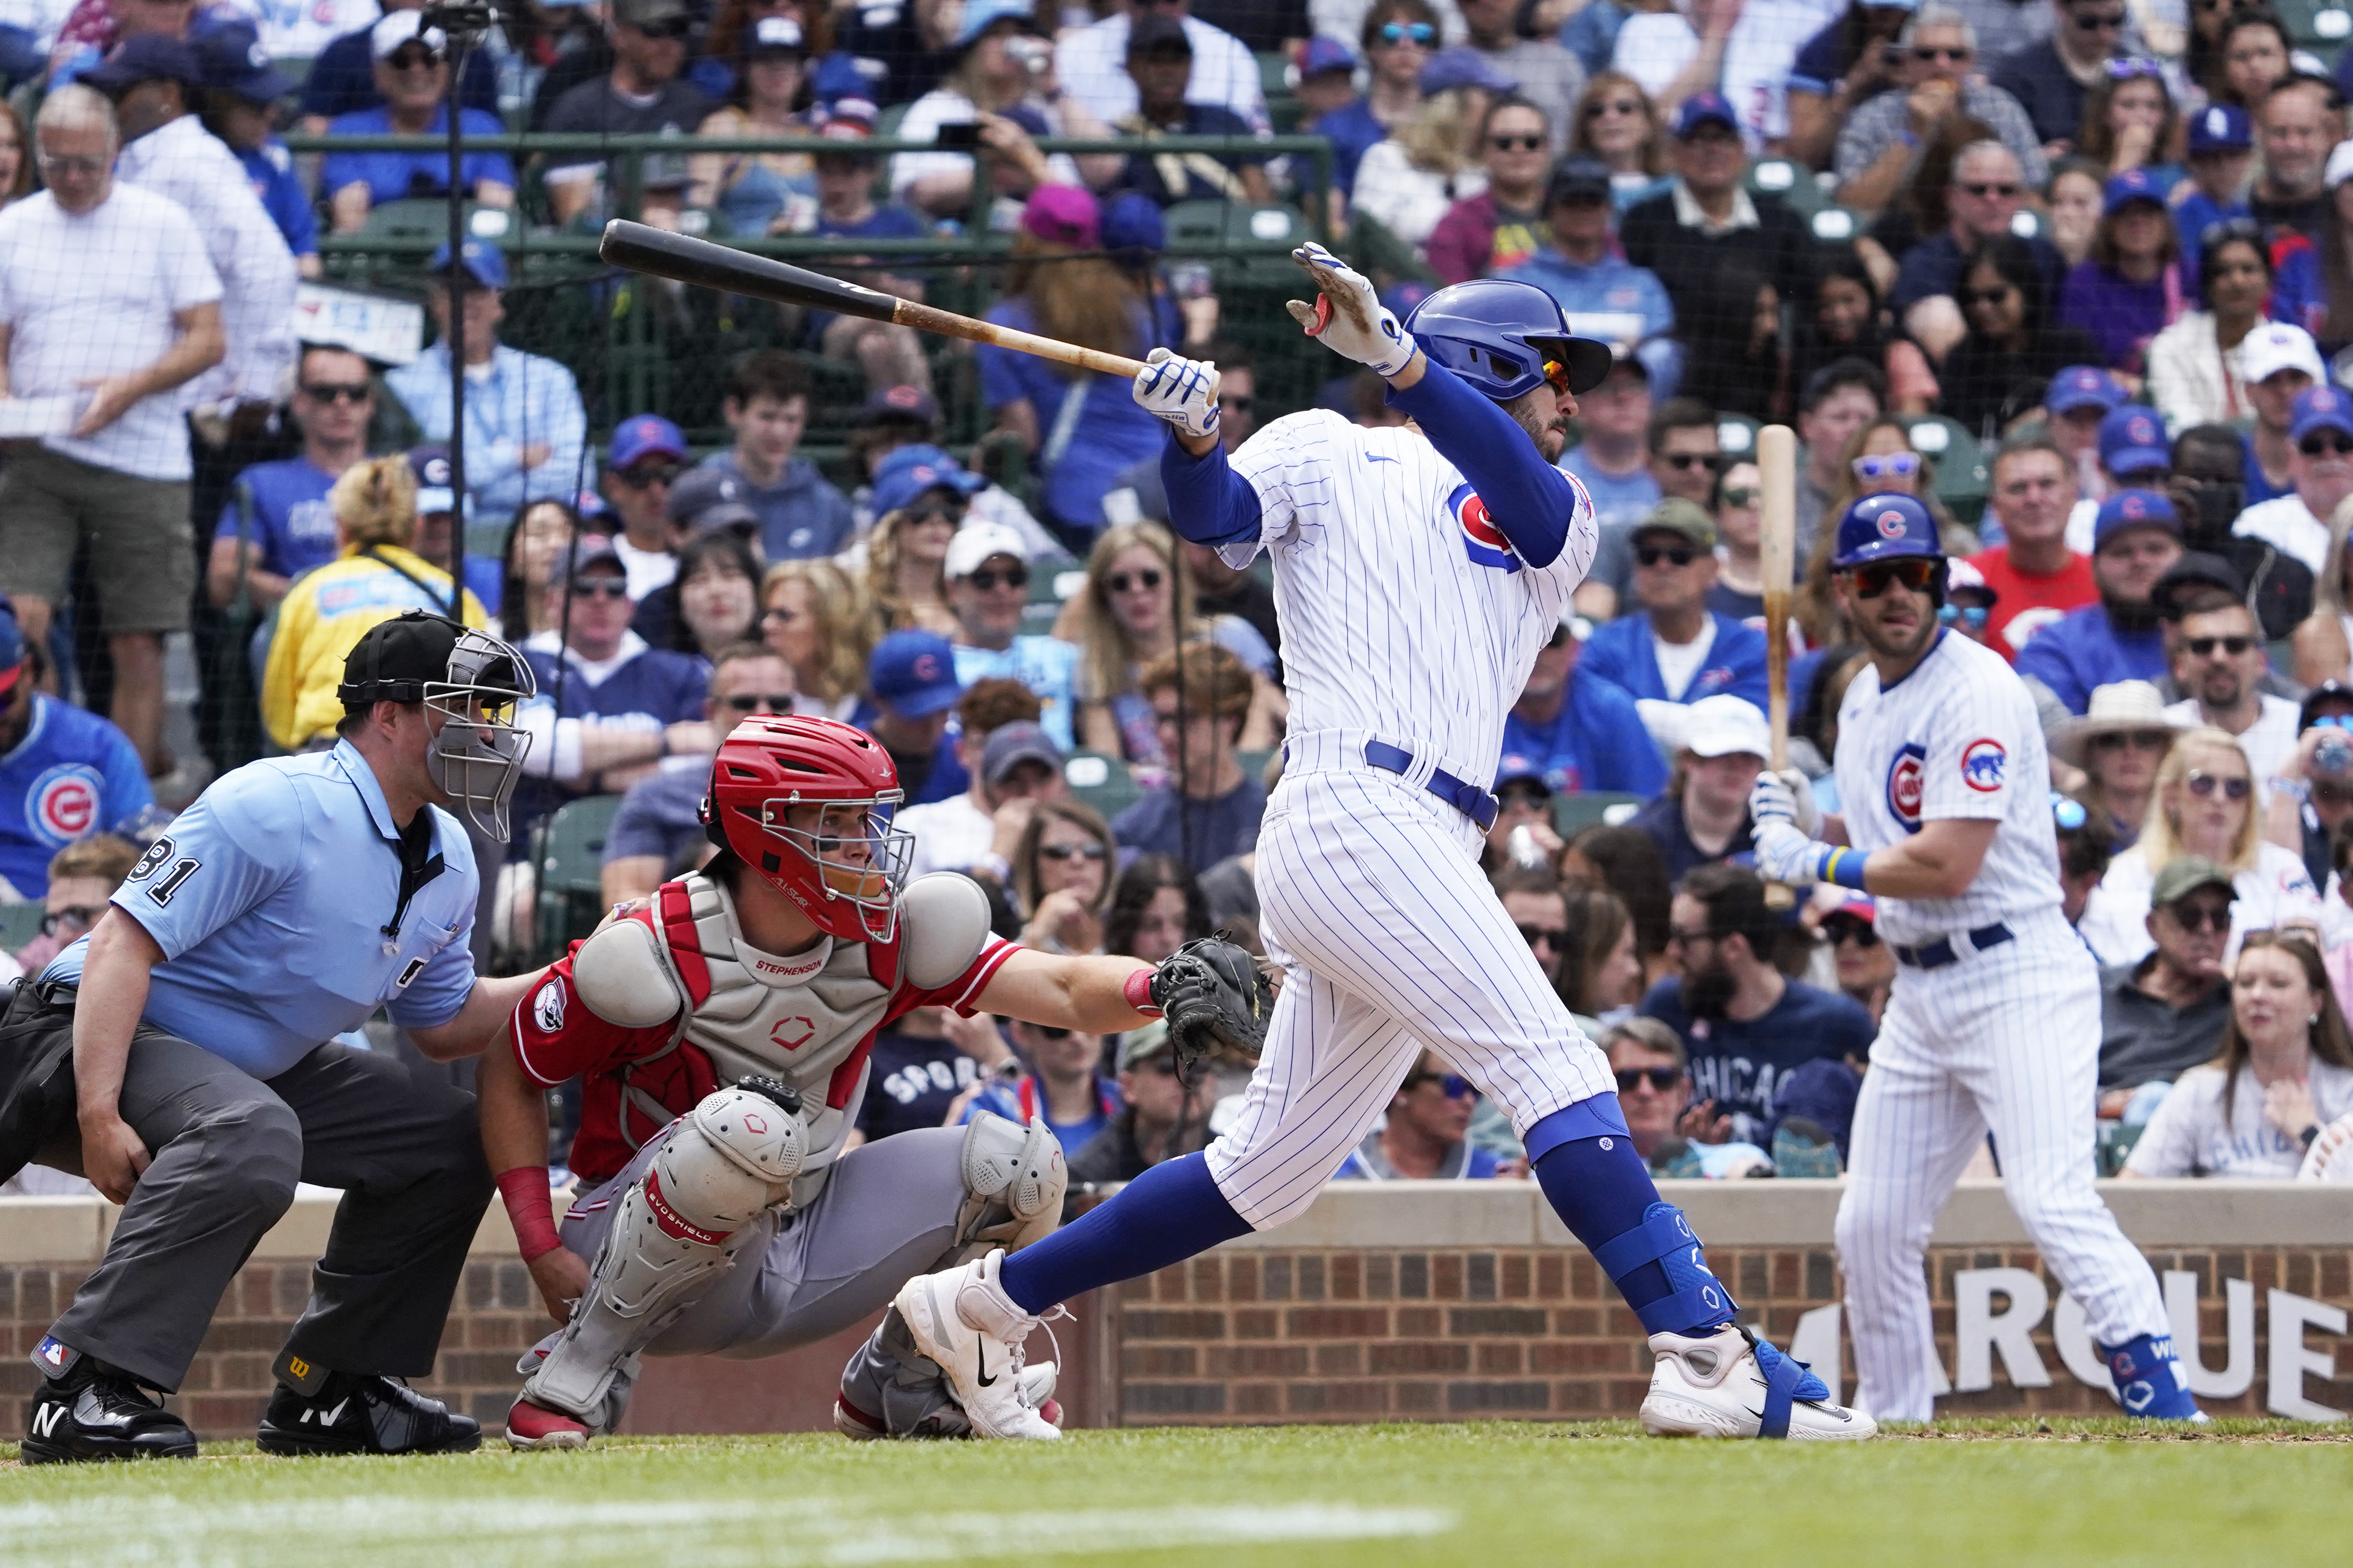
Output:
x,y
1253,764
1793,182
569,851
1101,783
21,923
1835,226
1962,481
1737,435
1574,811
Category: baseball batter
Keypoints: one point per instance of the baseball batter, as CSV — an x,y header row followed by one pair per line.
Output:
x,y
1417,572
1994,1018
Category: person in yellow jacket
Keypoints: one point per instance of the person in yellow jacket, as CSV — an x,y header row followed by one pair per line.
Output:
x,y
323,616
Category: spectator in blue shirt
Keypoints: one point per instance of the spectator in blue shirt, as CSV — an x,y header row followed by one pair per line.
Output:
x,y
1423,1139
1583,270
891,354
343,79
2222,149
65,773
912,676
1065,1085
1160,60
244,91
412,76
2135,542
801,515
1579,732
1399,37
1210,808
280,508
1674,650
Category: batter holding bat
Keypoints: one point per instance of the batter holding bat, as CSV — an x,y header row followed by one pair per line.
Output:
x,y
1994,1023
1417,572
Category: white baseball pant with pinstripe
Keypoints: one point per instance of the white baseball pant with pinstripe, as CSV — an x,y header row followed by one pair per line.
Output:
x,y
2006,1040
1390,939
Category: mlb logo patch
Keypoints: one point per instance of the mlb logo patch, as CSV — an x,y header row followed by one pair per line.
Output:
x,y
1482,540
52,1354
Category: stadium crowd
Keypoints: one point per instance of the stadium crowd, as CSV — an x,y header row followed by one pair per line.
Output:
x,y
2078,274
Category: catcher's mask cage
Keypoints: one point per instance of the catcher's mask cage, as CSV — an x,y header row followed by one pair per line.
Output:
x,y
862,859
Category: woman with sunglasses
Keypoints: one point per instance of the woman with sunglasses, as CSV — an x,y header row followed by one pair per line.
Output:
x,y
1424,1136
1617,123
906,565
1407,182
1864,965
1062,878
2119,742
2283,1072
1398,37
2195,376
1739,590
2127,290
2011,346
814,618
2203,803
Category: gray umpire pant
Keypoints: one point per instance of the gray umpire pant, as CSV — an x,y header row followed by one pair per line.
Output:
x,y
228,1149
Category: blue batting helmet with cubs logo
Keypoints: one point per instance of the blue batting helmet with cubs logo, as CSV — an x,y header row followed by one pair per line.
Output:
x,y
1880,526
1497,335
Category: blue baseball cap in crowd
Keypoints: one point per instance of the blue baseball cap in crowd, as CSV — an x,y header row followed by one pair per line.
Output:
x,y
909,471
2082,386
588,550
1325,55
12,649
913,673
1463,65
643,435
484,263
2220,128
909,405
2320,408
981,14
1703,108
2128,510
2132,185
234,61
1133,230
435,491
2132,440
146,56
1517,769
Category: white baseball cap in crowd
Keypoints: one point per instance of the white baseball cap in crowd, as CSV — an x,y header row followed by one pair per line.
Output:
x,y
1724,724
975,542
394,28
2275,346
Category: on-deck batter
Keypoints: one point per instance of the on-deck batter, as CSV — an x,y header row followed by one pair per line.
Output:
x,y
1417,572
1994,1022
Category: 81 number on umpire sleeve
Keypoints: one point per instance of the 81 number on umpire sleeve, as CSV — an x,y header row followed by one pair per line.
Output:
x,y
162,892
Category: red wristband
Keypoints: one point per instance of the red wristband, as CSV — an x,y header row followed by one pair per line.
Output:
x,y
1138,992
530,1210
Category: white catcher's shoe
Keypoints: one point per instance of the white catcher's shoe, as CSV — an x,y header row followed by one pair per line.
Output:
x,y
1724,1386
962,1319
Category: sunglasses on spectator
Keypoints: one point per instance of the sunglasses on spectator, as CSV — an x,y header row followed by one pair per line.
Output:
x,y
1741,495
1071,851
600,587
2105,22
1454,1086
1986,296
1872,577
338,392
2200,917
1601,106
1894,466
1684,462
411,57
1848,927
2331,721
1127,582
1516,143
1672,554
1532,797
2203,785
646,479
1420,32
756,702
1927,54
1534,934
2138,740
2329,446
1983,189
1161,1066
668,28
1661,1079
1973,617
2204,646
73,917
2069,815
989,577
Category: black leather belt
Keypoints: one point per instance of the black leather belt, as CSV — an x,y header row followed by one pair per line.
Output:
x,y
1940,952
1469,799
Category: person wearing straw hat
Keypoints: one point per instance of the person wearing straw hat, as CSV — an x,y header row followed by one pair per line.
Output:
x,y
2119,744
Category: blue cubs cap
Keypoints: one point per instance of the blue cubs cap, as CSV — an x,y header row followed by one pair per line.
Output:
x,y
643,435
2128,510
1133,230
1881,527
1325,55
2222,127
1517,769
235,62
1701,108
2082,386
2132,440
484,263
2132,185
909,471
2320,408
146,56
914,673
430,464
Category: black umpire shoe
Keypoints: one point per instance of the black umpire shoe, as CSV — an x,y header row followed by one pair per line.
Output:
x,y
358,1412
97,1413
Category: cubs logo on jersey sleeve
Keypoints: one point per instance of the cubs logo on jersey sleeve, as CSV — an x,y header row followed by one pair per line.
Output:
x,y
1482,539
63,804
1904,785
1985,765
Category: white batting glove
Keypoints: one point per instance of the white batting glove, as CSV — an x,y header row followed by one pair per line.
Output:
x,y
1347,316
1787,795
1786,855
1184,391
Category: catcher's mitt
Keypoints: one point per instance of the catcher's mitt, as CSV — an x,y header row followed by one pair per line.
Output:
x,y
1214,998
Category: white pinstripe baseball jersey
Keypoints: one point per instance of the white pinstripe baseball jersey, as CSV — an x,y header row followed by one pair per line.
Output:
x,y
1955,738
1405,610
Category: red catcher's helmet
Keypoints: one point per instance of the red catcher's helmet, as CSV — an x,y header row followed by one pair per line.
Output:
x,y
807,804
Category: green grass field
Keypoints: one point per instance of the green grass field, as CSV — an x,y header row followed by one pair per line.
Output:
x,y
2068,1491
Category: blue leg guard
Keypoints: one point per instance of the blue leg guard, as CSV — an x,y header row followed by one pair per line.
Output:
x,y
2148,1379
1698,1304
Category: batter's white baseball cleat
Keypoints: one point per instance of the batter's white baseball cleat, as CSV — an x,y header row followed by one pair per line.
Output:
x,y
1731,1383
962,1319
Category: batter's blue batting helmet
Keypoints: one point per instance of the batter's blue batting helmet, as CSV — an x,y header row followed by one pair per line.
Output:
x,y
1497,334
1880,526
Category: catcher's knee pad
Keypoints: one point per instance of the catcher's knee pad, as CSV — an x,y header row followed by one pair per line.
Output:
x,y
678,1227
1013,1182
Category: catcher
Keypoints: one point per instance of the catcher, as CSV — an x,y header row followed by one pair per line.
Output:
x,y
723,1032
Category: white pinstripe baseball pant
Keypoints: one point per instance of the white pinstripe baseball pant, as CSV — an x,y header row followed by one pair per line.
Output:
x,y
1390,939
2006,1040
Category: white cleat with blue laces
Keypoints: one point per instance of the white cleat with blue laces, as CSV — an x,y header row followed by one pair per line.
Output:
x,y
1730,1383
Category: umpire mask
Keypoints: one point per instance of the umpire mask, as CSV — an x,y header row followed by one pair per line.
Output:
x,y
477,758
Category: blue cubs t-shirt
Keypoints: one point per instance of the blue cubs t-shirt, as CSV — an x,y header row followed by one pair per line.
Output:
x,y
73,774
292,527
395,177
1740,1065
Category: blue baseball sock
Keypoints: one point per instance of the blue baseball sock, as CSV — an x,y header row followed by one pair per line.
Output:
x,y
1584,1159
2149,1380
1165,1216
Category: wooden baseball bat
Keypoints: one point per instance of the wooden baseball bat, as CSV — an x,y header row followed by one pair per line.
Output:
x,y
685,260
1777,463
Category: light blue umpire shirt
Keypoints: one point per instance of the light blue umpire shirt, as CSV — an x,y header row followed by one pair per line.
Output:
x,y
270,897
